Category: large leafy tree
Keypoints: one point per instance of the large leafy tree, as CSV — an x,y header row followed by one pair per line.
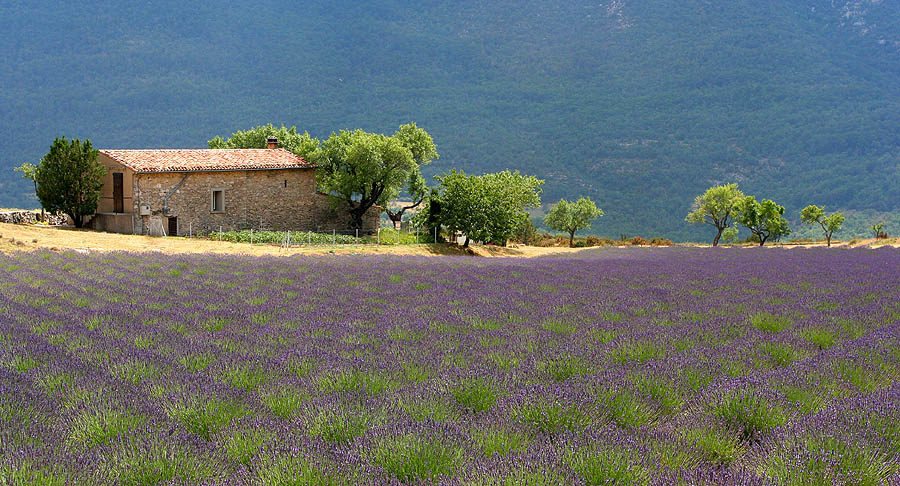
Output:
x,y
572,216
764,219
364,169
716,207
300,144
489,207
813,214
69,179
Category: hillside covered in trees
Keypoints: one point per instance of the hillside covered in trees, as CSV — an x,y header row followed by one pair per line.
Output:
x,y
638,105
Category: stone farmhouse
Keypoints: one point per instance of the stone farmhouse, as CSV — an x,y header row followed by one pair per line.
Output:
x,y
175,192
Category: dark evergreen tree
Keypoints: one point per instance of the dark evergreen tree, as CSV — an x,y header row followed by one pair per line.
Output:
x,y
69,179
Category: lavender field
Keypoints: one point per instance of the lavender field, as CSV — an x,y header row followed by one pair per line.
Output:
x,y
622,366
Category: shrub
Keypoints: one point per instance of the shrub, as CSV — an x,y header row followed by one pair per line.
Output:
x,y
414,459
638,241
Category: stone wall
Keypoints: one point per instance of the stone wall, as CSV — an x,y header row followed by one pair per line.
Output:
x,y
260,199
32,217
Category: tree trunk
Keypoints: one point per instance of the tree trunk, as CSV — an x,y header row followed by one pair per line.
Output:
x,y
78,220
718,235
571,239
762,241
828,239
466,244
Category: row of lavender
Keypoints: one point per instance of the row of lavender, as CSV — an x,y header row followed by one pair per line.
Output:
x,y
624,366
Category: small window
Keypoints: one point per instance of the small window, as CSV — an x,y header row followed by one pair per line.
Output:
x,y
218,201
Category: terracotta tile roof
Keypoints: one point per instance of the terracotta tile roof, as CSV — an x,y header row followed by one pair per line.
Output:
x,y
206,160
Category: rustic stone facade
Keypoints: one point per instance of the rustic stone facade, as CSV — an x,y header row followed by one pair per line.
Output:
x,y
273,199
261,199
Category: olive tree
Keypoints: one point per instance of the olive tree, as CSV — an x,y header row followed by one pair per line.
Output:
x,y
764,219
716,207
572,216
813,214
69,179
489,207
363,169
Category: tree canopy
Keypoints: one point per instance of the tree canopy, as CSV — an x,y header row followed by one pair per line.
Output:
x,y
716,207
489,207
571,217
69,179
364,169
300,144
764,219
813,214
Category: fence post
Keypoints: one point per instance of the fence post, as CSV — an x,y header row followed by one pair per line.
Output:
x,y
289,239
357,236
435,234
333,238
251,236
417,234
378,240
220,234
191,230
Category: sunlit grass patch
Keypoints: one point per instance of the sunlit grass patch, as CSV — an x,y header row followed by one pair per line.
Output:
x,y
520,477
205,417
53,382
475,396
158,464
342,425
245,377
504,360
285,402
867,378
99,428
22,364
551,417
564,367
215,324
770,323
749,414
716,447
292,471
196,361
604,335
819,337
355,381
830,460
559,326
436,409
26,473
626,409
808,400
406,334
781,354
665,394
497,441
639,351
611,466
134,372
413,458
415,373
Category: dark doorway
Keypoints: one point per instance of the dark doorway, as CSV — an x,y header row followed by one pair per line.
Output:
x,y
118,193
173,226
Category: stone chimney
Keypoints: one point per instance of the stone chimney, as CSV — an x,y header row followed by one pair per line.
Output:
x,y
272,143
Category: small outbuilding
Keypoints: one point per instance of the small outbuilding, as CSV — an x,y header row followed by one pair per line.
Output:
x,y
177,191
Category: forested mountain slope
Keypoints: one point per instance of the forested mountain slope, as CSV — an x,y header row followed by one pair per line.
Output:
x,y
640,105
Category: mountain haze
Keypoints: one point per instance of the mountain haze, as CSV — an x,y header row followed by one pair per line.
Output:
x,y
638,104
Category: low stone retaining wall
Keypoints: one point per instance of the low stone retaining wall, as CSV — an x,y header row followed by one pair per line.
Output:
x,y
32,217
